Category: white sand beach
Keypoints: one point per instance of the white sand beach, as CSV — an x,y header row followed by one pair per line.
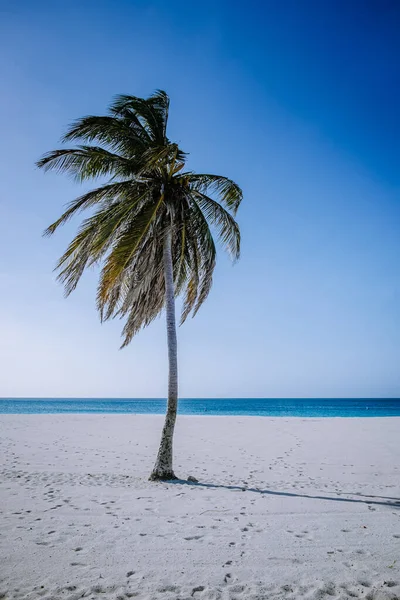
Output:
x,y
284,508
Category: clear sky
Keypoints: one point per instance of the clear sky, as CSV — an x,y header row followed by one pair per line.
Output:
x,y
296,101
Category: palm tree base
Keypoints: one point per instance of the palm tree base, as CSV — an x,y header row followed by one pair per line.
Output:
x,y
163,476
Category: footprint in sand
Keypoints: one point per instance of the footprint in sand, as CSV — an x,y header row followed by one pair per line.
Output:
x,y
302,534
390,583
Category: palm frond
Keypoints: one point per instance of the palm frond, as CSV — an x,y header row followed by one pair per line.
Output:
x,y
109,191
86,162
124,248
225,224
118,135
199,260
157,157
227,192
152,113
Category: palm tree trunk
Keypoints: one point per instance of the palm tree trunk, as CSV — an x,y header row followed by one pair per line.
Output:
x,y
163,468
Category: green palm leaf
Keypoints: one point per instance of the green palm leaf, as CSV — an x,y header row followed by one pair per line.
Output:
x,y
147,193
227,191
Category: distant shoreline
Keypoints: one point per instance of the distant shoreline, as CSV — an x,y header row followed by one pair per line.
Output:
x,y
259,407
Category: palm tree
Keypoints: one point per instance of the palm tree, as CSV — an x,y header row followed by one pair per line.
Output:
x,y
150,227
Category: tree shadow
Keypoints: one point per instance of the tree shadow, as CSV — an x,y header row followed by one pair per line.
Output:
x,y
359,495
388,502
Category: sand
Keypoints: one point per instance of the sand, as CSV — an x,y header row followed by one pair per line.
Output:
x,y
284,508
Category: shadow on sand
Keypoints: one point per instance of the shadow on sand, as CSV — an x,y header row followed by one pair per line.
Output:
x,y
383,501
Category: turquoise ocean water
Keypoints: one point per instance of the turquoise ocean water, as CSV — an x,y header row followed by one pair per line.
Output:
x,y
272,407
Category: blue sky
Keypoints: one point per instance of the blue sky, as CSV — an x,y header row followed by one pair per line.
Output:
x,y
296,101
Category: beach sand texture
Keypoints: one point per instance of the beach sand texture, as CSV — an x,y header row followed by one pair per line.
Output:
x,y
284,508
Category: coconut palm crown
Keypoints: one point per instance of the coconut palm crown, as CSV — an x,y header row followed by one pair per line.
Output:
x,y
148,206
